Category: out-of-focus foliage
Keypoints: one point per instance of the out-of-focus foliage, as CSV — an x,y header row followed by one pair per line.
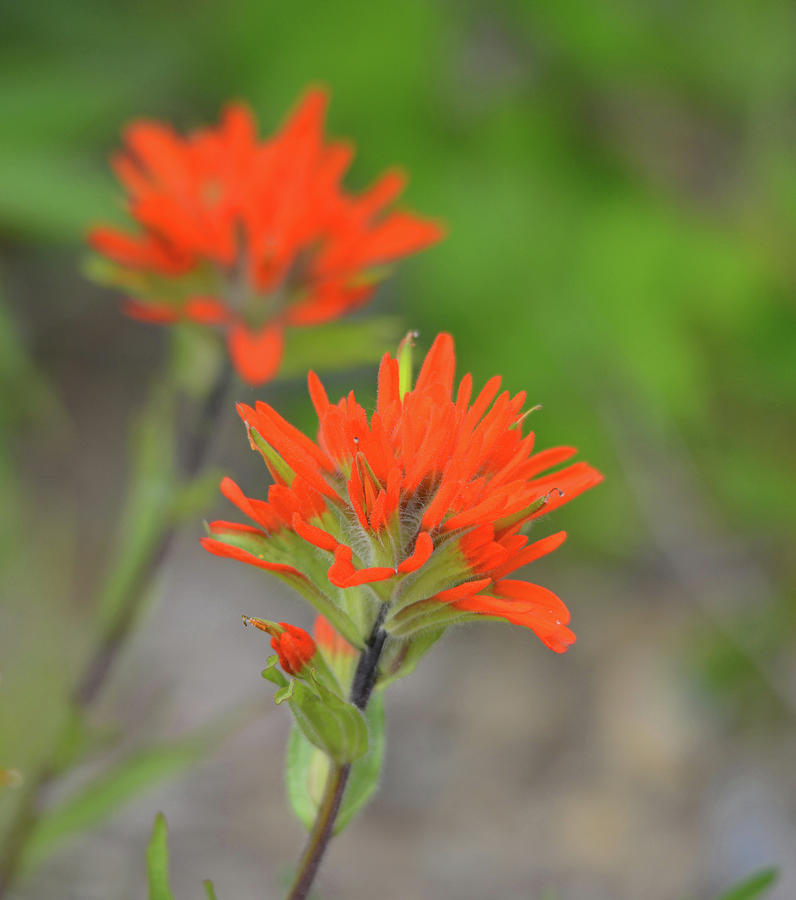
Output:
x,y
157,861
620,191
619,182
751,888
125,779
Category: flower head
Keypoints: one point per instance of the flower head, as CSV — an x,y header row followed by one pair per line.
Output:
x,y
252,235
422,508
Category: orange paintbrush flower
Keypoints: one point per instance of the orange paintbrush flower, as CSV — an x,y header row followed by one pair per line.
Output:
x,y
426,502
253,236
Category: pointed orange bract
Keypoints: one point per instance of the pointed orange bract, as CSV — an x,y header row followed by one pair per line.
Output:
x,y
262,228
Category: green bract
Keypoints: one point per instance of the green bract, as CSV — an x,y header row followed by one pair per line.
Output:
x,y
325,719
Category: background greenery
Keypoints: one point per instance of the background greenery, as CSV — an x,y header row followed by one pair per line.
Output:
x,y
619,182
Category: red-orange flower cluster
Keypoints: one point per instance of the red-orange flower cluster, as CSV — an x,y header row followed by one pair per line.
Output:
x,y
426,501
253,235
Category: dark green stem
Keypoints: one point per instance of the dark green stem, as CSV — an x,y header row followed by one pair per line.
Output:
x,y
321,831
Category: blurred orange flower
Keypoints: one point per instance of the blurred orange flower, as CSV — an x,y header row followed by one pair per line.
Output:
x,y
426,502
253,235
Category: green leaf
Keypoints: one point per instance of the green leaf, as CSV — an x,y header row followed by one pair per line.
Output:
x,y
405,372
401,656
752,887
339,345
307,769
112,788
157,861
423,616
330,723
365,772
209,889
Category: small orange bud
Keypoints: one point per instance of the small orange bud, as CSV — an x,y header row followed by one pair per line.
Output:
x,y
293,645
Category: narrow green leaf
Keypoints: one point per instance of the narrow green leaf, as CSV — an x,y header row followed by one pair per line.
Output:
x,y
422,616
134,773
209,889
402,656
752,887
405,372
157,861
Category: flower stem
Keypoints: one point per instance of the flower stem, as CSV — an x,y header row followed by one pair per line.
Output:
x,y
321,831
361,689
104,655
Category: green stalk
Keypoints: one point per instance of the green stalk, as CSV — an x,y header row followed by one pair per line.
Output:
x,y
155,543
323,828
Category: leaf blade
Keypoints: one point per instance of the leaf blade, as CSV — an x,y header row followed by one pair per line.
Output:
x,y
114,787
753,886
366,771
306,769
157,861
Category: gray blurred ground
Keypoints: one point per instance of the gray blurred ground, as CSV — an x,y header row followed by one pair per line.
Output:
x,y
509,772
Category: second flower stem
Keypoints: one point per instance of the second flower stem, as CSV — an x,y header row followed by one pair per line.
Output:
x,y
103,657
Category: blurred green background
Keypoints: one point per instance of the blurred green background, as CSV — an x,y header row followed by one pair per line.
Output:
x,y
619,182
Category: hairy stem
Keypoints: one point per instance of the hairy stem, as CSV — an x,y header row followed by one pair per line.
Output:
x,y
104,655
364,681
